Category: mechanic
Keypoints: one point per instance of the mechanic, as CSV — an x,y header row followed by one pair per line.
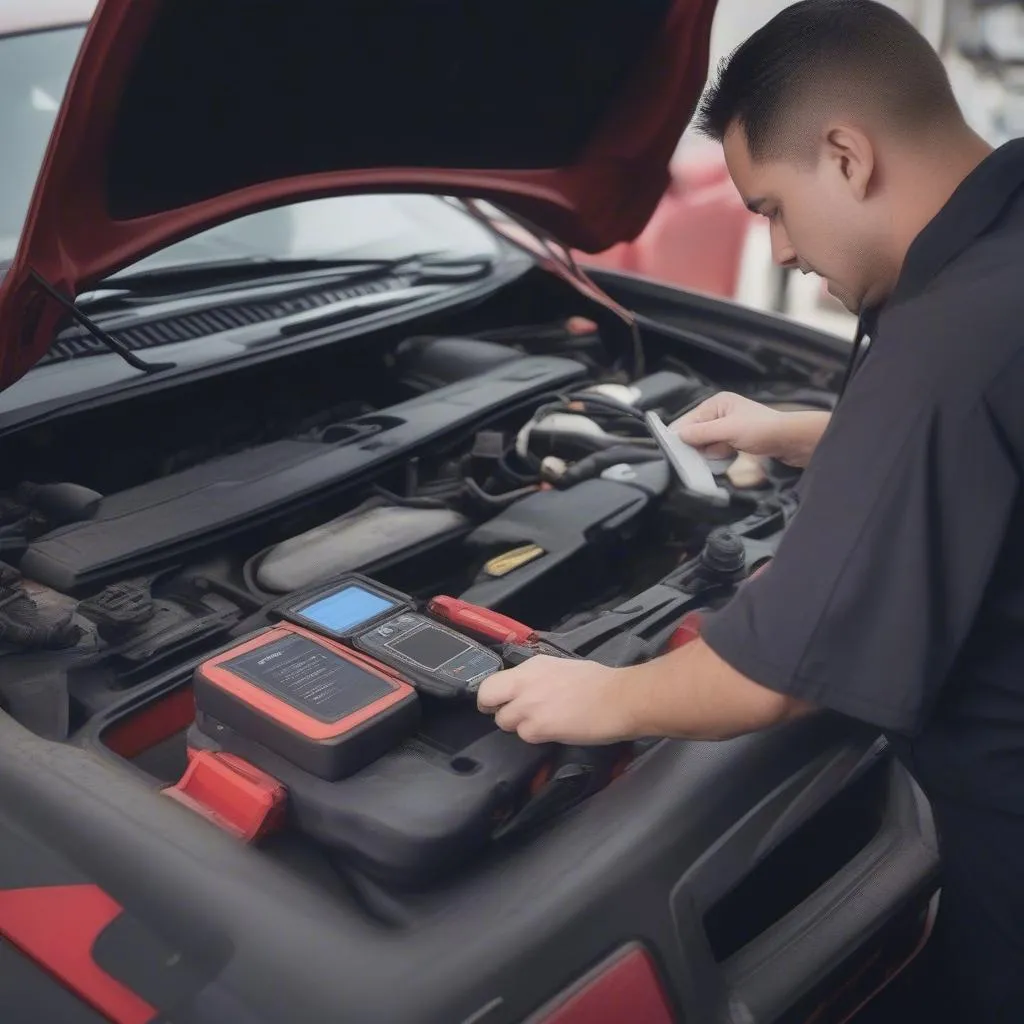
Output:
x,y
897,594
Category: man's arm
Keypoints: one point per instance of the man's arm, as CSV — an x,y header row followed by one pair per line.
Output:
x,y
690,693
871,595
804,431
693,694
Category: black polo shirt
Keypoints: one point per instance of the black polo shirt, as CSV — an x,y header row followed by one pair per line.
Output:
x,y
897,595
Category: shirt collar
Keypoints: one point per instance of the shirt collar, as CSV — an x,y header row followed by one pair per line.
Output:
x,y
972,209
976,204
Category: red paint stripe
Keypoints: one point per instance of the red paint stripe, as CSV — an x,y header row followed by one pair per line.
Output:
x,y
57,926
624,990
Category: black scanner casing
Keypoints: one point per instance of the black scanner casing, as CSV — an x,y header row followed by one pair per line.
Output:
x,y
414,815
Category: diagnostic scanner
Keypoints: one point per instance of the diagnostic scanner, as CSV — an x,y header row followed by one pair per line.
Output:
x,y
429,648
438,660
345,607
327,709
687,463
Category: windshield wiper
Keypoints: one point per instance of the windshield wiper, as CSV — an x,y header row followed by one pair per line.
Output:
x,y
149,287
189,280
96,331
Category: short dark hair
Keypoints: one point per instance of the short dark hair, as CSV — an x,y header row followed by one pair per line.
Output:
x,y
814,57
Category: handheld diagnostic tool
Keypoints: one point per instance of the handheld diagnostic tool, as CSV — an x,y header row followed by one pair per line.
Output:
x,y
343,608
327,709
384,624
437,659
687,463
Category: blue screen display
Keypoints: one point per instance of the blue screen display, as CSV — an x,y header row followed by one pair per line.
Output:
x,y
346,608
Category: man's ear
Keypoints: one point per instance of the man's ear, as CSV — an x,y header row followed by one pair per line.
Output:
x,y
850,152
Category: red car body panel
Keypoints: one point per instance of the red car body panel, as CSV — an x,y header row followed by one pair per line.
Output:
x,y
71,238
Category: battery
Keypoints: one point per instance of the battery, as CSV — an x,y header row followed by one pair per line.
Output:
x,y
326,708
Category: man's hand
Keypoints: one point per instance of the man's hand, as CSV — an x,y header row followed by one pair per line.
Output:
x,y
559,700
690,693
728,423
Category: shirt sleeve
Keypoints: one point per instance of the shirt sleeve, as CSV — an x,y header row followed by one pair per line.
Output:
x,y
878,580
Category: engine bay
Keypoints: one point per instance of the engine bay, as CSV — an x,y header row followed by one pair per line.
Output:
x,y
517,478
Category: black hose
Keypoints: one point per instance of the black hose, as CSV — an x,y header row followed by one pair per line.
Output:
x,y
603,401
596,463
396,499
497,500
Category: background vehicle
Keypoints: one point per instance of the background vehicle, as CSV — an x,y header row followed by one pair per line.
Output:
x,y
233,414
701,237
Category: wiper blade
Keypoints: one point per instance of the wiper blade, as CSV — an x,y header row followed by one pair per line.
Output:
x,y
244,268
194,279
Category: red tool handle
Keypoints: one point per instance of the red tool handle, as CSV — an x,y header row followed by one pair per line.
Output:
x,y
492,625
691,623
687,631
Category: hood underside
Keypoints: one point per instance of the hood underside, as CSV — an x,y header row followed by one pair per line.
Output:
x,y
182,114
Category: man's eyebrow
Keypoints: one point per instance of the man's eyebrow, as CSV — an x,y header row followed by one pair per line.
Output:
x,y
754,205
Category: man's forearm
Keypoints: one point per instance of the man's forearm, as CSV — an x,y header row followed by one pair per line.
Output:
x,y
691,693
803,432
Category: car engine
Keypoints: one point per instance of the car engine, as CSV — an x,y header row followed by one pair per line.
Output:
x,y
521,482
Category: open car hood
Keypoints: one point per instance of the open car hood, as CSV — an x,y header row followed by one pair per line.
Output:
x,y
181,114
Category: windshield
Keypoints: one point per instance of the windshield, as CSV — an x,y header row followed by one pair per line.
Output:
x,y
371,227
34,72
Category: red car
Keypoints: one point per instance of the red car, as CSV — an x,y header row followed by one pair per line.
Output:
x,y
309,422
696,236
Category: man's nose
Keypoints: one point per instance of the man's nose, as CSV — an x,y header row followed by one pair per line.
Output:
x,y
782,250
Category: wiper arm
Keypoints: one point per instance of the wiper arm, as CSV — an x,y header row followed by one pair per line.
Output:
x,y
96,331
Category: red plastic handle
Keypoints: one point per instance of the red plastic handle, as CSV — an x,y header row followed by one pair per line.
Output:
x,y
483,621
233,794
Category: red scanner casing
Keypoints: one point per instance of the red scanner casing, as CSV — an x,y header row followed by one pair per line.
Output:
x,y
330,749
